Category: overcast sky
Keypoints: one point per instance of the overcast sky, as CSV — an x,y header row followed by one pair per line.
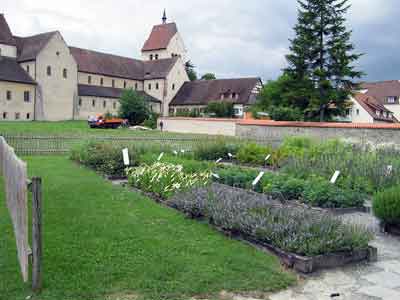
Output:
x,y
231,38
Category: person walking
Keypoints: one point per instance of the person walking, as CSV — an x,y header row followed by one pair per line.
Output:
x,y
161,125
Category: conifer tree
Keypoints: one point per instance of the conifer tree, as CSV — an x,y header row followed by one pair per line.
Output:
x,y
321,59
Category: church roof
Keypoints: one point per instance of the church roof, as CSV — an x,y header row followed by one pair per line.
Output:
x,y
6,36
118,66
201,92
108,92
160,37
11,71
28,48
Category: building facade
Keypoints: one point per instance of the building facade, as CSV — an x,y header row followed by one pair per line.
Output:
x,y
43,78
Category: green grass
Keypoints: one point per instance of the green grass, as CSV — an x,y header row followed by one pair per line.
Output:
x,y
75,128
102,240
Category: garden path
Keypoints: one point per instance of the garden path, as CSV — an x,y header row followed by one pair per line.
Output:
x,y
366,281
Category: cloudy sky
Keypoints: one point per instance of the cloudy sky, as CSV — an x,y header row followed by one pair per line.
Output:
x,y
228,37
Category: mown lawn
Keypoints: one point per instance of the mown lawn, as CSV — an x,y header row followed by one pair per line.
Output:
x,y
104,242
74,128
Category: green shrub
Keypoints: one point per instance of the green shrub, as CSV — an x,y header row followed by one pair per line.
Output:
x,y
290,187
165,179
320,192
237,177
103,157
253,154
214,150
386,205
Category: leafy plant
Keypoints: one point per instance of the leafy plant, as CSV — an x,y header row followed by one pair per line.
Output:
x,y
386,205
214,150
165,179
253,154
220,109
134,107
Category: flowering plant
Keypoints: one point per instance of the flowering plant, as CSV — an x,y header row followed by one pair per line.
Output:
x,y
165,179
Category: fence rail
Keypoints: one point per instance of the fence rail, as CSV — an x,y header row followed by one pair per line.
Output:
x,y
47,145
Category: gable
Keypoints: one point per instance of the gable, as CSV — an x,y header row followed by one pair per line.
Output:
x,y
6,36
160,37
28,48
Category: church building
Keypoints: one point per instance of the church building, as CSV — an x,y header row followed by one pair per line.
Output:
x,y
43,78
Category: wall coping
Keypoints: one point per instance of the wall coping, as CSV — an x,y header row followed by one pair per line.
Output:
x,y
201,119
268,123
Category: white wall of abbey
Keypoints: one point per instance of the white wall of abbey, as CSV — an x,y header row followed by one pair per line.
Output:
x,y
176,47
58,92
95,79
16,108
175,79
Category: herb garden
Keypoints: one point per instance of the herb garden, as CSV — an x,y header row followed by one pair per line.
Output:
x,y
280,197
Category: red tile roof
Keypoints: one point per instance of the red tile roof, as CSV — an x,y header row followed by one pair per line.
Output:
x,y
160,37
382,89
320,125
371,105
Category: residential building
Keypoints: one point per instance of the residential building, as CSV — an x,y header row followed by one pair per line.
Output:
x,y
195,95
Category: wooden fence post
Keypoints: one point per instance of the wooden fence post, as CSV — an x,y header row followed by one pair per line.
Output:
x,y
36,234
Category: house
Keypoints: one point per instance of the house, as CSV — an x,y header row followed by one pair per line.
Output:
x,y
195,95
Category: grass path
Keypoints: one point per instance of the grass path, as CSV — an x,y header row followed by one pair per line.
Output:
x,y
102,240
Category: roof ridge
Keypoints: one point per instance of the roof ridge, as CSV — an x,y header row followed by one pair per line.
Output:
x,y
105,53
35,35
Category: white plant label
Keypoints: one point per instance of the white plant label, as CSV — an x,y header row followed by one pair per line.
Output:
x,y
268,157
215,176
125,155
182,151
389,170
335,177
219,160
230,155
175,152
161,156
258,178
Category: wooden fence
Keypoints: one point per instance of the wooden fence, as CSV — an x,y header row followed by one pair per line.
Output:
x,y
16,185
45,145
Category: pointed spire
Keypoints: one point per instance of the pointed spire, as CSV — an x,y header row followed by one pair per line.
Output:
x,y
164,18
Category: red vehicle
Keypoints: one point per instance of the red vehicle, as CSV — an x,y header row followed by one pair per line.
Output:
x,y
103,123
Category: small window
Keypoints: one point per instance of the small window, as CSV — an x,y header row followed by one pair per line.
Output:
x,y
156,56
58,53
151,56
173,86
93,103
124,84
89,80
358,112
104,104
391,100
28,116
17,116
136,86
27,69
101,81
149,86
113,83
5,115
114,105
48,71
27,96
157,86
65,73
80,102
9,95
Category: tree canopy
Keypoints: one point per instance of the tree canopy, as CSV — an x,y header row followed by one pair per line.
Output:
x,y
133,107
208,76
190,70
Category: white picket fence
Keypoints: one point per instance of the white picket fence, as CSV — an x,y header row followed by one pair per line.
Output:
x,y
14,173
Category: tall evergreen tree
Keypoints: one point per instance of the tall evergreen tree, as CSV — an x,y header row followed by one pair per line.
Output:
x,y
321,58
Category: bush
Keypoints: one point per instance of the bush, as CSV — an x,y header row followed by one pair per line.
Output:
x,y
295,230
214,150
291,188
165,179
134,107
103,157
253,154
320,192
237,177
220,109
151,121
386,205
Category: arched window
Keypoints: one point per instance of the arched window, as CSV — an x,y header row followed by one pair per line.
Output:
x,y
124,84
80,102
48,71
149,86
89,80
114,104
65,73
113,83
157,86
136,86
101,81
104,104
151,56
93,103
173,86
156,56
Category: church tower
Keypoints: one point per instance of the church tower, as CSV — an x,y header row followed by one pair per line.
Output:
x,y
164,42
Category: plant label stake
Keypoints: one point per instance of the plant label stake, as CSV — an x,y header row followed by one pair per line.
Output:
x,y
182,151
258,178
215,176
230,156
267,158
125,155
335,177
175,152
219,160
389,170
161,156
